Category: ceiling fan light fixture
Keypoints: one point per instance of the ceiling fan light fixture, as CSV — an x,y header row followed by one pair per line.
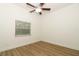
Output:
x,y
38,10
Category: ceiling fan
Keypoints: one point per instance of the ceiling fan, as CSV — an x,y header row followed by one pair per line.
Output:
x,y
38,9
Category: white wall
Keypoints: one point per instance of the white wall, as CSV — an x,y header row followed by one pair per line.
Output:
x,y
62,27
8,14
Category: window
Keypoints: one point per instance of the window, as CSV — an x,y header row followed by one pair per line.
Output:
x,y
22,28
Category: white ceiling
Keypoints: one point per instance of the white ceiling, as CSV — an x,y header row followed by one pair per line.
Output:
x,y
53,6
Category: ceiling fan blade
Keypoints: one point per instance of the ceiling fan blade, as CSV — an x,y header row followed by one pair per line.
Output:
x,y
41,4
31,5
32,11
48,9
40,13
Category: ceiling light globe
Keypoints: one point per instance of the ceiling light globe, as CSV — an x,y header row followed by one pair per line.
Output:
x,y
38,10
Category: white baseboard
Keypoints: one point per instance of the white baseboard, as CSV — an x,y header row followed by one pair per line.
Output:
x,y
12,47
60,44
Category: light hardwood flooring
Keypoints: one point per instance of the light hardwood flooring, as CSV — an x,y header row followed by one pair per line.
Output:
x,y
40,49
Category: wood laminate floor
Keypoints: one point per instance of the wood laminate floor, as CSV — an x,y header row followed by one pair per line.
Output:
x,y
40,49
